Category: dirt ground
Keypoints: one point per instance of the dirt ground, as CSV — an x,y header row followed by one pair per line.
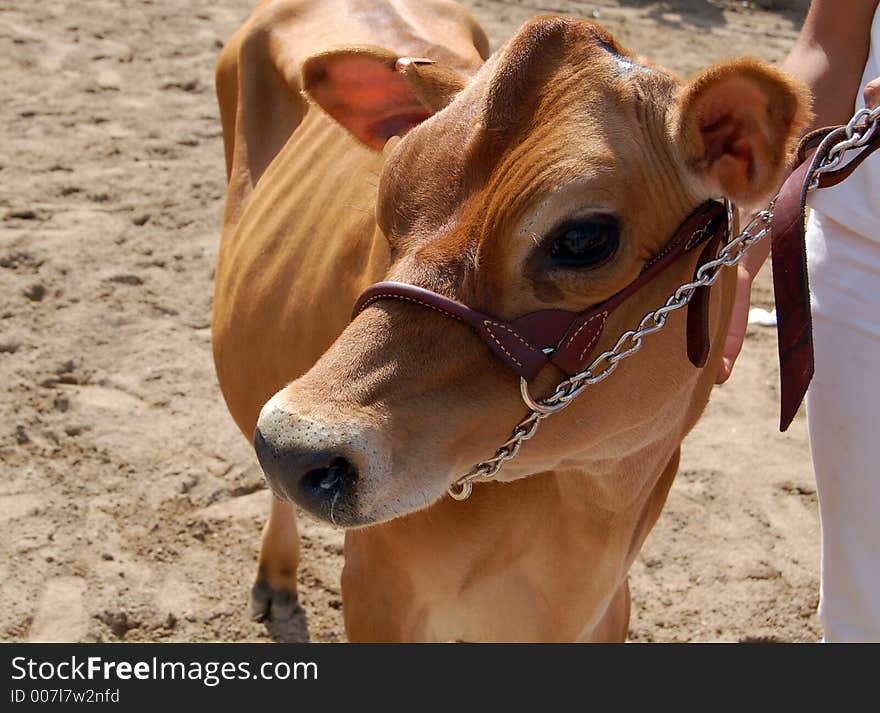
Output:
x,y
131,507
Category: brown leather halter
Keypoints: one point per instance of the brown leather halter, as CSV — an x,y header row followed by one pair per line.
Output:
x,y
567,339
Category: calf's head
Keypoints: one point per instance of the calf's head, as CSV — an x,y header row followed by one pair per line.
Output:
x,y
545,181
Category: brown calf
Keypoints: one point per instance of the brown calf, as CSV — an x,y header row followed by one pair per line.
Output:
x,y
545,176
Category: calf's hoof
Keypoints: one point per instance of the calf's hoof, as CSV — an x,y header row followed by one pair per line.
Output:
x,y
281,612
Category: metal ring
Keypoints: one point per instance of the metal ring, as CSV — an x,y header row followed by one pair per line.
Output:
x,y
731,217
537,406
466,489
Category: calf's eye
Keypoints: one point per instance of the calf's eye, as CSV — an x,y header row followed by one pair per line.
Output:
x,y
585,243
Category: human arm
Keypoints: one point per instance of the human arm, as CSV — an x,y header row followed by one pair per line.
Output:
x,y
829,55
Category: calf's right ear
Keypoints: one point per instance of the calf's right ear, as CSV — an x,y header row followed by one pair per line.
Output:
x,y
737,124
375,94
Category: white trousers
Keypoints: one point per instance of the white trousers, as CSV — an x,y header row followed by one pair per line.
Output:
x,y
843,411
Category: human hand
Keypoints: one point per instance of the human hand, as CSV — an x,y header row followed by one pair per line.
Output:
x,y
747,270
872,93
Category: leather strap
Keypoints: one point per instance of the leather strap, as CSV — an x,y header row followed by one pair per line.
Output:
x,y
811,141
518,343
698,344
527,344
789,257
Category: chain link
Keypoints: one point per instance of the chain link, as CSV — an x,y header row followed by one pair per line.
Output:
x,y
856,137
630,342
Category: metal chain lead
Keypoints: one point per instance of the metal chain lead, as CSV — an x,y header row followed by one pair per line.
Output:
x,y
856,137
631,341
605,364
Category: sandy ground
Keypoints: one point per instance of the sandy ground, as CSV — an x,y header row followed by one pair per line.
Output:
x,y
130,505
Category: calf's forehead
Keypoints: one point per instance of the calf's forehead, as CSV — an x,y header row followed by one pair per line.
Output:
x,y
592,110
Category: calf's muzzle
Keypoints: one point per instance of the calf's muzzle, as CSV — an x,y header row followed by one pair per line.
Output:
x,y
313,480
306,463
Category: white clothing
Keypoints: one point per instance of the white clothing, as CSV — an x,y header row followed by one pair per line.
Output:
x,y
843,412
843,403
855,203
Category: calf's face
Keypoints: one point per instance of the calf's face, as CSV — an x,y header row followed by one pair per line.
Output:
x,y
545,181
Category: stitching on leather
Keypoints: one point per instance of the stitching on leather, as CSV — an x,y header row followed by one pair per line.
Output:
x,y
595,337
486,323
695,238
669,247
495,339
376,298
571,339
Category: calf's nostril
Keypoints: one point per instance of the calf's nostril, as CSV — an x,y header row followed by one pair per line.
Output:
x,y
329,481
332,479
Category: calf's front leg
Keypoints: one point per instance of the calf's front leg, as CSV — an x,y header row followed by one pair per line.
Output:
x,y
274,594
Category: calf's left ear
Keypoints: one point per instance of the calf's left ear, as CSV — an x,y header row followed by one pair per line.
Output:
x,y
737,124
375,94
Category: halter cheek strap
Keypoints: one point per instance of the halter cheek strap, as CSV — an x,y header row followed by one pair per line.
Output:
x,y
567,339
